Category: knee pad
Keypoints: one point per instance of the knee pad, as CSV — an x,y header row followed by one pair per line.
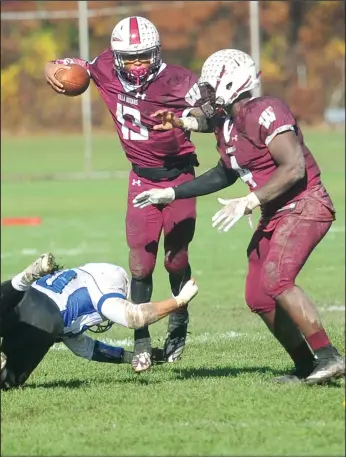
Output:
x,y
176,262
141,263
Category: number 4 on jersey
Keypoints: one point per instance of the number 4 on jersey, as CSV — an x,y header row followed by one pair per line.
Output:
x,y
267,117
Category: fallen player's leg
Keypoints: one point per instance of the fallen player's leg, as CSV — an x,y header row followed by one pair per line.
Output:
x,y
12,292
24,339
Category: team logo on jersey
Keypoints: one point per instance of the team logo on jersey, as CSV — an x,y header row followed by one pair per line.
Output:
x,y
142,96
136,182
267,117
231,150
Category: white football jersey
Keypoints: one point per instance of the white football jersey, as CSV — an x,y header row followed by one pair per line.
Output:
x,y
79,293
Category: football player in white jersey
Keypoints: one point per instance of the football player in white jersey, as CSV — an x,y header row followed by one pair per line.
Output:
x,y
44,304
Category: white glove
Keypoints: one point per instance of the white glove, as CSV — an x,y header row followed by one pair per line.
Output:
x,y
154,197
234,210
187,293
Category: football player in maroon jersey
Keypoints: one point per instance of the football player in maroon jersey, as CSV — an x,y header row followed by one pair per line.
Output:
x,y
134,82
259,141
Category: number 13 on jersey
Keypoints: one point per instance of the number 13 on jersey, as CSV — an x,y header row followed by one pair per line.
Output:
x,y
128,132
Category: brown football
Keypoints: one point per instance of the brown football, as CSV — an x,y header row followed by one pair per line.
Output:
x,y
75,81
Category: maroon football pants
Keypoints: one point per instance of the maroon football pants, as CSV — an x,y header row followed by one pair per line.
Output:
x,y
144,228
277,256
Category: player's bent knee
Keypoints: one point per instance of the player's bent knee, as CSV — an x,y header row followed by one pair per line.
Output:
x,y
273,281
141,263
176,262
257,301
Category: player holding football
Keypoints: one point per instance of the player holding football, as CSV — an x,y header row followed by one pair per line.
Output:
x,y
134,82
43,305
260,141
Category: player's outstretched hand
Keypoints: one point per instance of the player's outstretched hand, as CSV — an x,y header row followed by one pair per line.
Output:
x,y
50,70
187,293
233,211
154,197
168,120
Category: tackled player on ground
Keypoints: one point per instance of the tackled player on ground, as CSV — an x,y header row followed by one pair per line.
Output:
x,y
44,304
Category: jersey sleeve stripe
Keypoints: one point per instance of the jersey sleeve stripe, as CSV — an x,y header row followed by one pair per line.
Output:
x,y
105,297
281,129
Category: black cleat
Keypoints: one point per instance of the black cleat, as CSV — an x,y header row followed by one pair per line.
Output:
x,y
326,369
297,375
157,356
176,336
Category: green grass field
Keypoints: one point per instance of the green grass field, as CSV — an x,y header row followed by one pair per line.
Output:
x,y
219,399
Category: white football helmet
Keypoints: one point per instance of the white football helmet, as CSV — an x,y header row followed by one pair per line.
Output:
x,y
230,73
136,36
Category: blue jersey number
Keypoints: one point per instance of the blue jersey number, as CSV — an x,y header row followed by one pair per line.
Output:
x,y
59,283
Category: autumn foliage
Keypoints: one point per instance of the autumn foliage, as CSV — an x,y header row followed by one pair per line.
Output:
x,y
302,52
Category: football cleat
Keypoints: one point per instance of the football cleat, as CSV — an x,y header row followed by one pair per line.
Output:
x,y
327,369
44,265
157,356
297,375
141,360
176,336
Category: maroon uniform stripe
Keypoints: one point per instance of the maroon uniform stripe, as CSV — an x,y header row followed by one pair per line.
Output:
x,y
134,31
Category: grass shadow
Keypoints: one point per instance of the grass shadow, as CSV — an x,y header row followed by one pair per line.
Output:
x,y
219,372
70,384
90,383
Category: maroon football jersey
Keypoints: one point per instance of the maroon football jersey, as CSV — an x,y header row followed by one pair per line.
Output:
x,y
243,146
174,88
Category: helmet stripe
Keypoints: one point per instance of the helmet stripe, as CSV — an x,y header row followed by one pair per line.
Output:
x,y
134,31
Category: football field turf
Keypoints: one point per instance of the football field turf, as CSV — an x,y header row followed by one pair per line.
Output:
x,y
219,399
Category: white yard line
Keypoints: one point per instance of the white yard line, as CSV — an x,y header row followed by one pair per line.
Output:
x,y
73,252
333,309
198,339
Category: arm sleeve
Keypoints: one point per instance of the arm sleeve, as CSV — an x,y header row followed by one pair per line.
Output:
x,y
213,180
113,307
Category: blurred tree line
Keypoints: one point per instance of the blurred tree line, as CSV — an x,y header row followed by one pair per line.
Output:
x,y
302,52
